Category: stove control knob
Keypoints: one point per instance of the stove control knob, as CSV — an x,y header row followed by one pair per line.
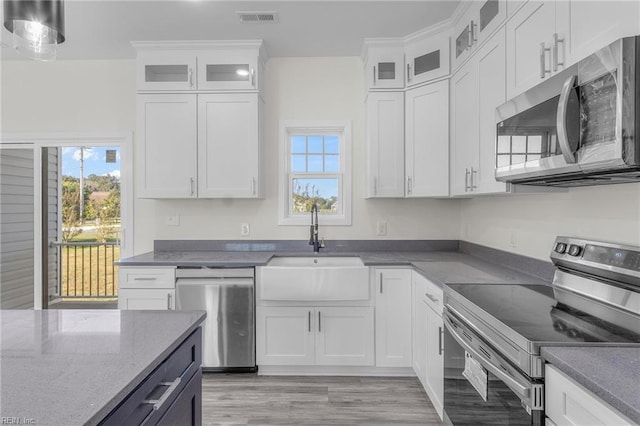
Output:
x,y
575,250
560,248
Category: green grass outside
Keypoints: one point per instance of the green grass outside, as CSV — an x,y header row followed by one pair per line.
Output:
x,y
89,271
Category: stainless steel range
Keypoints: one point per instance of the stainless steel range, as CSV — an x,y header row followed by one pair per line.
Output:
x,y
494,373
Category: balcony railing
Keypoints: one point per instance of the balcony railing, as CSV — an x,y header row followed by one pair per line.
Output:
x,y
87,270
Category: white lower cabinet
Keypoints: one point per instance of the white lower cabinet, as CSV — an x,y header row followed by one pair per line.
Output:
x,y
568,403
428,345
146,288
393,317
298,336
155,299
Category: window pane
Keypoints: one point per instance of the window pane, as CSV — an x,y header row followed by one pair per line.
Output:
x,y
331,163
315,163
315,144
299,163
321,191
519,144
504,144
331,144
298,144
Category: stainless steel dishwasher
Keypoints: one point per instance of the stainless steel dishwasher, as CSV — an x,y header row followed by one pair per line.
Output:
x,y
228,338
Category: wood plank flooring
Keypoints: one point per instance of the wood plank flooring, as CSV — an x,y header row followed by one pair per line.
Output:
x,y
248,399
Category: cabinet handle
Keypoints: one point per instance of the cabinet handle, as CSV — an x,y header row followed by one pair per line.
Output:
x,y
374,75
409,185
440,333
408,72
319,322
466,180
144,279
190,77
543,67
157,403
473,179
309,321
555,61
192,186
169,301
253,77
432,297
472,35
253,186
381,279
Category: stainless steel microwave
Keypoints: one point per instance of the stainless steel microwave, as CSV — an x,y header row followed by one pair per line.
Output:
x,y
578,127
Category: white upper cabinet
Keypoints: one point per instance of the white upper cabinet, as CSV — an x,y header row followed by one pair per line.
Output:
x,y
229,145
427,140
480,20
384,67
228,70
427,58
166,146
385,144
200,65
477,88
166,70
591,25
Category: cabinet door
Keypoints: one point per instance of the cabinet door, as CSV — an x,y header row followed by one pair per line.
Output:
x,y
419,338
229,145
490,61
532,25
427,59
393,317
435,359
166,71
591,25
385,144
186,409
166,146
385,69
344,336
156,299
464,128
427,140
489,17
285,336
228,70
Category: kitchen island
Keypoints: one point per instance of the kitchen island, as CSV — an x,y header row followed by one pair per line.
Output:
x,y
74,367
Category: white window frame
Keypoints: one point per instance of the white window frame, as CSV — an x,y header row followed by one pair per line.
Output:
x,y
288,128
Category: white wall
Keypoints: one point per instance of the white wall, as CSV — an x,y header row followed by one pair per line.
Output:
x,y
528,224
99,96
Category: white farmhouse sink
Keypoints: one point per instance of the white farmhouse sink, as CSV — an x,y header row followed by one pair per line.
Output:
x,y
313,279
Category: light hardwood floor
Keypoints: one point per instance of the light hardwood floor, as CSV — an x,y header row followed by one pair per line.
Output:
x,y
248,399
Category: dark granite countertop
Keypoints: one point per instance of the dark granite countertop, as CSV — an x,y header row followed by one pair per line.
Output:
x,y
611,373
72,367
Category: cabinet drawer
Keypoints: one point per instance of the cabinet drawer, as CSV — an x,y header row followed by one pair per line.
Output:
x,y
187,409
567,403
147,277
161,387
428,292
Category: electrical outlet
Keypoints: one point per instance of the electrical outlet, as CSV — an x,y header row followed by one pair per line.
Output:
x,y
381,228
245,230
172,220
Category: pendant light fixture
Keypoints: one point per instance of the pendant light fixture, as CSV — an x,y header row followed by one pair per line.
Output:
x,y
37,26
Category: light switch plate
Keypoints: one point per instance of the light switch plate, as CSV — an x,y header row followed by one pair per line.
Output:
x,y
245,229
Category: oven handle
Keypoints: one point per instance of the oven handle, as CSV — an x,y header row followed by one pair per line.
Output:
x,y
561,120
522,391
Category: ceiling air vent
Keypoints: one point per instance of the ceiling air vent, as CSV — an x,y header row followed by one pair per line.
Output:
x,y
258,17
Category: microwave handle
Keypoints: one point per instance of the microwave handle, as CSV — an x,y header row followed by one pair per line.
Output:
x,y
561,120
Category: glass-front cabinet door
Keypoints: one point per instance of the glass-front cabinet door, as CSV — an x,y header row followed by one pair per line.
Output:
x,y
161,71
384,69
427,59
228,71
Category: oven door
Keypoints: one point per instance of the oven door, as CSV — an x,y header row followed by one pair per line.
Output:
x,y
480,386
